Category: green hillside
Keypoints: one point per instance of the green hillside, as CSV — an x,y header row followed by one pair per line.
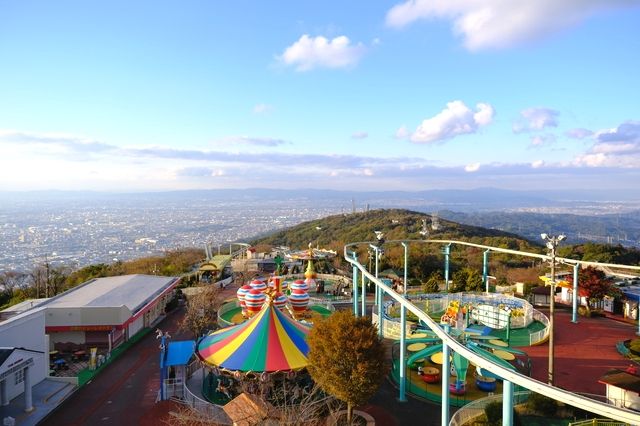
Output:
x,y
334,232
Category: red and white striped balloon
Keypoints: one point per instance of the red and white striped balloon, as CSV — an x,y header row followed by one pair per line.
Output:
x,y
254,300
299,300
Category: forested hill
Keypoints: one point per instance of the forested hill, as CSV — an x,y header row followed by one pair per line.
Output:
x,y
335,231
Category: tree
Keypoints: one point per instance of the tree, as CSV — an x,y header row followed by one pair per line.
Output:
x,y
346,358
595,285
467,279
433,283
202,311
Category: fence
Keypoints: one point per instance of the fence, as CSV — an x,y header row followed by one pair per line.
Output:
x,y
476,408
211,411
542,335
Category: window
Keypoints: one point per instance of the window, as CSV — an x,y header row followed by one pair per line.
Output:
x,y
19,376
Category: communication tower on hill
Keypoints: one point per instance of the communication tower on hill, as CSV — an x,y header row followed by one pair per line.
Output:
x,y
435,222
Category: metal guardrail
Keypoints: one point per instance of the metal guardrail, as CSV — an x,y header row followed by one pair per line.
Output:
x,y
558,394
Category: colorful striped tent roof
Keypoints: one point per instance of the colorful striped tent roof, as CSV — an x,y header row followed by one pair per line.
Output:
x,y
270,341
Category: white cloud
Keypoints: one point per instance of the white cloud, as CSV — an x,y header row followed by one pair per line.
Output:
x,y
262,109
472,167
402,132
360,135
537,164
619,147
540,140
501,23
257,141
456,119
534,119
319,52
579,133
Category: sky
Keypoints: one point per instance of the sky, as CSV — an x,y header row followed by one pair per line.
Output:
x,y
388,95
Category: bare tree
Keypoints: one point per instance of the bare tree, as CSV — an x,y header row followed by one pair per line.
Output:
x,y
202,311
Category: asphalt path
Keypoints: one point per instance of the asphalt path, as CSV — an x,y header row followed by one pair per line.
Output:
x,y
125,390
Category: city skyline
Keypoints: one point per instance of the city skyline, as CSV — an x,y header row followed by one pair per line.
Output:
x,y
395,95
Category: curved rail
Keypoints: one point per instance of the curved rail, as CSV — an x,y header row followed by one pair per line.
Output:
x,y
567,397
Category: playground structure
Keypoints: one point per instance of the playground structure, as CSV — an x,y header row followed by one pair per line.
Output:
x,y
450,342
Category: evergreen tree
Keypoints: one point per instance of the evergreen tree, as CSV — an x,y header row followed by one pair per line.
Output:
x,y
346,358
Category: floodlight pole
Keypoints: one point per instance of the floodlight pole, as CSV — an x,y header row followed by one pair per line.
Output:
x,y
552,244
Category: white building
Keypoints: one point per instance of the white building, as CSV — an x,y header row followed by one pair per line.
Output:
x,y
23,355
106,311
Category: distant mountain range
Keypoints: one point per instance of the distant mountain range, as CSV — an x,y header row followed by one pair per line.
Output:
x,y
472,200
619,228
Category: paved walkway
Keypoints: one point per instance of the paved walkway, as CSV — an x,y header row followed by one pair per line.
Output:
x,y
583,352
47,395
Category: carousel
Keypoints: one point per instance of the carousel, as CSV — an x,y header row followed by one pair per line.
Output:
x,y
267,351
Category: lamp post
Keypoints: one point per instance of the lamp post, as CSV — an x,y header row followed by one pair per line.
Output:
x,y
552,243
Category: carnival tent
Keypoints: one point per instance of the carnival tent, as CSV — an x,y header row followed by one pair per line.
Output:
x,y
270,341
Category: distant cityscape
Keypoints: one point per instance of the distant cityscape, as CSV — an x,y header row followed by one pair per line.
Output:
x,y
83,233
79,229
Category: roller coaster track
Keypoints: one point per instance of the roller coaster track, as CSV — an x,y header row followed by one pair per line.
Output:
x,y
597,407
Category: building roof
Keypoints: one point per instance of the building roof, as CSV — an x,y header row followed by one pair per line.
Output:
x,y
132,291
179,353
623,380
246,410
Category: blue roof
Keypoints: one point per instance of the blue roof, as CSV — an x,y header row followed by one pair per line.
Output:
x,y
180,352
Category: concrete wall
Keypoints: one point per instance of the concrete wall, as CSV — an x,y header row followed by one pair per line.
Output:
x,y
86,316
26,330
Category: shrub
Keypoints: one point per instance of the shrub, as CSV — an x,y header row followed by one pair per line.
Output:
x,y
493,412
542,405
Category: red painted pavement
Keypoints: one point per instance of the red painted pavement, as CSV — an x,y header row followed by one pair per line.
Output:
x,y
583,352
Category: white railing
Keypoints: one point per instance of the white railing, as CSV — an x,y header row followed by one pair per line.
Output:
x,y
514,377
174,388
541,335
476,408
213,412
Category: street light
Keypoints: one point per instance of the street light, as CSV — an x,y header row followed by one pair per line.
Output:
x,y
552,243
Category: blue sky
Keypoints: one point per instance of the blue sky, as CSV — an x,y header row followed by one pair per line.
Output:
x,y
136,96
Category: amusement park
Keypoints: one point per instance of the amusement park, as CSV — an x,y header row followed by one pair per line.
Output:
x,y
396,348
461,351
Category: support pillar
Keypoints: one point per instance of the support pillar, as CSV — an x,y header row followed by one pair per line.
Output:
x,y
576,295
377,293
28,396
507,403
403,361
446,368
403,332
485,270
380,297
4,394
364,296
355,285
447,252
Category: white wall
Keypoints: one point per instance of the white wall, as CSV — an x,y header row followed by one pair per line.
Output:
x,y
26,330
136,326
